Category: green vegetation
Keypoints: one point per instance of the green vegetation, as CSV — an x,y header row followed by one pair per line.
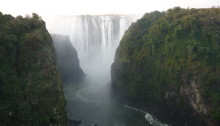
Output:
x,y
168,51
30,86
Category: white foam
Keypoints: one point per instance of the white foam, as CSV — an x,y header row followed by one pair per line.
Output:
x,y
152,120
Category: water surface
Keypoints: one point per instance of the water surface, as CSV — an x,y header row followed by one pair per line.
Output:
x,y
92,104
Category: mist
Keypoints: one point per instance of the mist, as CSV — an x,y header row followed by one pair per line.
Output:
x,y
86,34
67,59
95,38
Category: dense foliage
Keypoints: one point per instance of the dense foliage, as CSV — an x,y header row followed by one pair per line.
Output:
x,y
67,60
30,85
164,52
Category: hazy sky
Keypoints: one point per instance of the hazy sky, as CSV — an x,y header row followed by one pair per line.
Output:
x,y
75,7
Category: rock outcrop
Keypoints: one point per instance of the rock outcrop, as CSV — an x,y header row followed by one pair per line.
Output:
x,y
67,59
30,85
173,58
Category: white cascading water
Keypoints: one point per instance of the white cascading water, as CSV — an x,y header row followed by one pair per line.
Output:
x,y
95,38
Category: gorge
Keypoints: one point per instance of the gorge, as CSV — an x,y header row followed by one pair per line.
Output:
x,y
95,38
158,63
111,70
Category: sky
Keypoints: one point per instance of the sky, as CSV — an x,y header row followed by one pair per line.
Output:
x,y
77,7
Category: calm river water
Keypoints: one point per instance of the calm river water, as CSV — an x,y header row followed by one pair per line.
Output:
x,y
93,105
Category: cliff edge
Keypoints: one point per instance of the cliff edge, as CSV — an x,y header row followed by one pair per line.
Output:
x,y
173,58
30,86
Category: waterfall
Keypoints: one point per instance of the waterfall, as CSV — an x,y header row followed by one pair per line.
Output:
x,y
95,38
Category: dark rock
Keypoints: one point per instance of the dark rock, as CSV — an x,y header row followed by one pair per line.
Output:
x,y
67,59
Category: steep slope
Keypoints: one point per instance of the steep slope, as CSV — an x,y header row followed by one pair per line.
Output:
x,y
30,85
172,58
67,59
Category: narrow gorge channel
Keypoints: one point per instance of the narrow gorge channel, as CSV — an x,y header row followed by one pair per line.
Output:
x,y
96,39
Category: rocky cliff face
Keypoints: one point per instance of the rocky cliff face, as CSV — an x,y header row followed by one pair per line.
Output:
x,y
30,86
67,59
172,58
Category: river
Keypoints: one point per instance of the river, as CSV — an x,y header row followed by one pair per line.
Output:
x,y
93,104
